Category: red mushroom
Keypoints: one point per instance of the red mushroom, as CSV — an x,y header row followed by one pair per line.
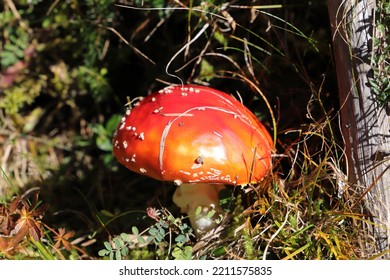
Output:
x,y
201,139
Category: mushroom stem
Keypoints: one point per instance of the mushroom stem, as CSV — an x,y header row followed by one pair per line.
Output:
x,y
189,197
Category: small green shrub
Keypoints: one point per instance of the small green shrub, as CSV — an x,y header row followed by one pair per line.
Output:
x,y
124,245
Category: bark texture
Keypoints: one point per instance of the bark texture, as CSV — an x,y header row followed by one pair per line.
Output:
x,y
365,123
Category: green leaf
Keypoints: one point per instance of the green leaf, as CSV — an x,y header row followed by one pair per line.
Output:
x,y
135,230
219,251
207,71
182,253
108,246
103,252
181,239
125,237
149,239
198,210
153,231
220,37
8,58
103,142
141,240
118,242
118,255
125,251
210,213
161,231
112,123
107,213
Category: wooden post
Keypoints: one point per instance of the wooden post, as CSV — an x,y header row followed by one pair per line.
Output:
x,y
365,124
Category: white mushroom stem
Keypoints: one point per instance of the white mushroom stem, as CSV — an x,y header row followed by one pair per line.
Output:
x,y
189,197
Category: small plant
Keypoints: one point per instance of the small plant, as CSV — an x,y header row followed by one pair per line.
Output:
x,y
19,220
380,82
123,245
25,235
103,135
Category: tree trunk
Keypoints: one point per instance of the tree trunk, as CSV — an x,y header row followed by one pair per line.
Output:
x,y
365,124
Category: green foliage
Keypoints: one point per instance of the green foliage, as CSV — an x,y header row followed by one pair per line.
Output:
x,y
72,36
207,71
16,97
380,82
103,137
17,40
181,252
104,133
126,245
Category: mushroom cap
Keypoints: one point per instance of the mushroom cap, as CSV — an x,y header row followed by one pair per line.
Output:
x,y
193,134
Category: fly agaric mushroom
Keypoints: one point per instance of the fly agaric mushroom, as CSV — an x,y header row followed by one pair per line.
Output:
x,y
201,139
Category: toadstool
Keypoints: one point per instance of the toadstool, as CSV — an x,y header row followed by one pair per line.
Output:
x,y
201,139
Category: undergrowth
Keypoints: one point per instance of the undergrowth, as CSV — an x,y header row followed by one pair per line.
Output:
x,y
380,82
67,71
